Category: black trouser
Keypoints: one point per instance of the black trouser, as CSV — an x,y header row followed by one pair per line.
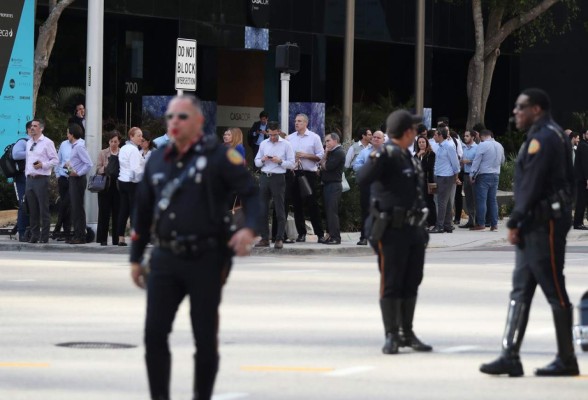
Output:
x,y
272,187
430,200
332,192
541,262
171,279
108,208
287,201
77,188
364,204
64,212
311,202
22,221
459,197
581,199
37,195
401,259
126,192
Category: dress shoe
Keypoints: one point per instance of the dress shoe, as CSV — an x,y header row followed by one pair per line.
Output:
x,y
77,241
301,238
279,244
466,226
560,368
456,222
503,365
437,230
33,240
103,244
323,240
478,228
494,229
333,241
448,230
122,244
44,241
362,242
263,243
581,227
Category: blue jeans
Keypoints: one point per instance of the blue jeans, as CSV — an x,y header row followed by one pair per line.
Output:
x,y
22,218
486,187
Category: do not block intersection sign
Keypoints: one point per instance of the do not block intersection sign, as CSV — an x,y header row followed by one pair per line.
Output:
x,y
186,64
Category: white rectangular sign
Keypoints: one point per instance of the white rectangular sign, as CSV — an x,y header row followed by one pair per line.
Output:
x,y
186,64
239,117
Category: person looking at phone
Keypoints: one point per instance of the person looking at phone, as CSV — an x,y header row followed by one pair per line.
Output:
x,y
40,159
79,118
257,133
275,158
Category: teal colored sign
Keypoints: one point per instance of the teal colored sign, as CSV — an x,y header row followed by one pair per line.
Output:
x,y
17,32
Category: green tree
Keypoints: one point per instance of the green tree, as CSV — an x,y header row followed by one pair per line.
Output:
x,y
494,22
45,43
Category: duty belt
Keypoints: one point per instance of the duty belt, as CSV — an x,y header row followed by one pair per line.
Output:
x,y
400,216
187,246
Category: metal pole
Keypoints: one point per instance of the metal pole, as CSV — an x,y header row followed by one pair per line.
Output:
x,y
348,71
94,82
419,85
285,78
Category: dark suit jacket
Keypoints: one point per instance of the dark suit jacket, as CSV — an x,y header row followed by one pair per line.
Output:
x,y
428,165
581,162
252,135
78,121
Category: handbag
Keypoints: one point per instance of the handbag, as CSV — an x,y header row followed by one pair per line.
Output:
x,y
303,184
238,215
98,183
345,184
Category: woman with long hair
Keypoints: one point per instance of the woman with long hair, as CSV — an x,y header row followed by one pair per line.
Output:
x,y
233,137
108,199
426,156
131,171
147,146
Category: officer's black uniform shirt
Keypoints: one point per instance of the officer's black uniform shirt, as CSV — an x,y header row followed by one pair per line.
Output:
x,y
220,172
543,167
395,177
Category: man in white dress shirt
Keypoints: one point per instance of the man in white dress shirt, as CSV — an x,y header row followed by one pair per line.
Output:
x,y
275,157
308,151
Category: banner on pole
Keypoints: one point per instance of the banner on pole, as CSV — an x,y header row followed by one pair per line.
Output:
x,y
17,31
186,64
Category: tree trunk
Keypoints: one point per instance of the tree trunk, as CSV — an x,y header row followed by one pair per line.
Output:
x,y
45,42
475,78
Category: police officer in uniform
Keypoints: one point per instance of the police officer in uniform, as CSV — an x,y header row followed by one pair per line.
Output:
x,y
182,208
538,226
398,215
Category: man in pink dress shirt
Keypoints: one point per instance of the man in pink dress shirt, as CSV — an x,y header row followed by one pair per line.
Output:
x,y
40,159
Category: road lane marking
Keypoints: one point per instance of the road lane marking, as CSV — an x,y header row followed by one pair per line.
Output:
x,y
230,396
23,365
22,280
459,349
270,368
350,371
299,271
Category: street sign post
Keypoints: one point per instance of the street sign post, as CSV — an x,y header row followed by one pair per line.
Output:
x,y
185,65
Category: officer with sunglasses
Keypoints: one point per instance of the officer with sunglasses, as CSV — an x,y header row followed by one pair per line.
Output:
x,y
538,226
181,208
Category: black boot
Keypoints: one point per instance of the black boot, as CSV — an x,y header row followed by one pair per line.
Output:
x,y
407,336
509,362
565,363
390,314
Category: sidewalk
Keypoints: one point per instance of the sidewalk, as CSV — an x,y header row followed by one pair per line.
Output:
x,y
460,239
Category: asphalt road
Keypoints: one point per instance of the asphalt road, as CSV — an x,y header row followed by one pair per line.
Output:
x,y
292,328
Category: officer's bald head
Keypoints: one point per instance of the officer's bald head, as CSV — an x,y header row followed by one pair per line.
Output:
x,y
184,118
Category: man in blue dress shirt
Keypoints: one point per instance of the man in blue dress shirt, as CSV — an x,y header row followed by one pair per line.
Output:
x,y
446,176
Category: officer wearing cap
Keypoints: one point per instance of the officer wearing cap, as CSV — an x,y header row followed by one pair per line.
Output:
x,y
538,226
397,220
181,208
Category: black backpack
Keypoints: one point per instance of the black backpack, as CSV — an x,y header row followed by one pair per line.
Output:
x,y
112,169
10,167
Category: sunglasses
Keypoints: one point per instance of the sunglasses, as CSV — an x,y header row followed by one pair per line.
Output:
x,y
33,146
181,116
520,107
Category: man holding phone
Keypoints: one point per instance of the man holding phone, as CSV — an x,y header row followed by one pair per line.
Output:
x,y
275,158
40,159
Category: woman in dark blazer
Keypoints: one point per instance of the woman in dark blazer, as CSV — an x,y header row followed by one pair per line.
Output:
x,y
426,156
